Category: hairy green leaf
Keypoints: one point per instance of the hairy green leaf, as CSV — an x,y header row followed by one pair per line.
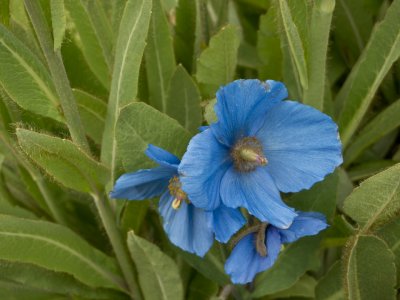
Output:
x,y
124,86
357,93
160,59
57,248
58,22
183,100
376,200
63,160
25,79
368,269
158,274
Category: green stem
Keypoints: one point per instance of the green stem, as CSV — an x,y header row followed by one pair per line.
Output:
x,y
59,75
118,244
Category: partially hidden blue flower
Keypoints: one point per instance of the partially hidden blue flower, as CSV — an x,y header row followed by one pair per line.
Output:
x,y
259,146
258,251
187,226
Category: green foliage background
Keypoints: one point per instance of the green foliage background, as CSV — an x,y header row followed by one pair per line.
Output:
x,y
85,85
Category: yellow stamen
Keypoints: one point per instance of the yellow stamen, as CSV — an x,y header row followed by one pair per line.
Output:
x,y
252,156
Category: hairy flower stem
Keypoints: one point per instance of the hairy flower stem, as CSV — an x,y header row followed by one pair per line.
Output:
x,y
121,252
59,75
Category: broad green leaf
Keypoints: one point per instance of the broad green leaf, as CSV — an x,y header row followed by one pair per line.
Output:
x,y
128,56
7,208
58,22
185,29
390,233
381,125
322,197
292,263
330,287
369,168
25,79
368,269
183,100
4,12
139,125
209,113
45,280
158,274
320,26
56,248
201,288
93,113
85,37
376,200
160,59
217,64
14,291
294,42
269,46
303,288
357,93
63,160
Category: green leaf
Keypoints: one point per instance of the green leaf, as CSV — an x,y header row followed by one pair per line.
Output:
x,y
330,286
160,59
58,22
134,214
369,271
294,42
292,263
25,79
217,64
321,197
201,288
183,100
56,248
209,113
158,274
185,29
381,125
376,200
369,168
93,113
45,280
15,291
63,160
303,288
357,93
128,56
88,41
139,125
322,12
390,233
269,46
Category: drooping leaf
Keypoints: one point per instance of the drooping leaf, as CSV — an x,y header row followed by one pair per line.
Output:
x,y
58,22
330,287
124,86
217,64
376,200
88,41
357,93
292,263
381,125
25,79
368,269
183,100
92,111
160,59
139,125
63,160
158,274
56,248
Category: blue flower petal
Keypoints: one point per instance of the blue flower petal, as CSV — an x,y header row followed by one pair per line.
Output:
x,y
142,184
187,227
244,262
162,157
241,106
305,224
301,145
226,222
257,192
202,168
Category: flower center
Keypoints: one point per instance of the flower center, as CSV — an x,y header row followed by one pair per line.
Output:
x,y
248,154
176,191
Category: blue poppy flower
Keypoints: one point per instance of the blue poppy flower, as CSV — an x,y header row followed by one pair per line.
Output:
x,y
259,146
187,226
258,251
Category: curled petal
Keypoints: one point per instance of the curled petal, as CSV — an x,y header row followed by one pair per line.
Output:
x,y
162,157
